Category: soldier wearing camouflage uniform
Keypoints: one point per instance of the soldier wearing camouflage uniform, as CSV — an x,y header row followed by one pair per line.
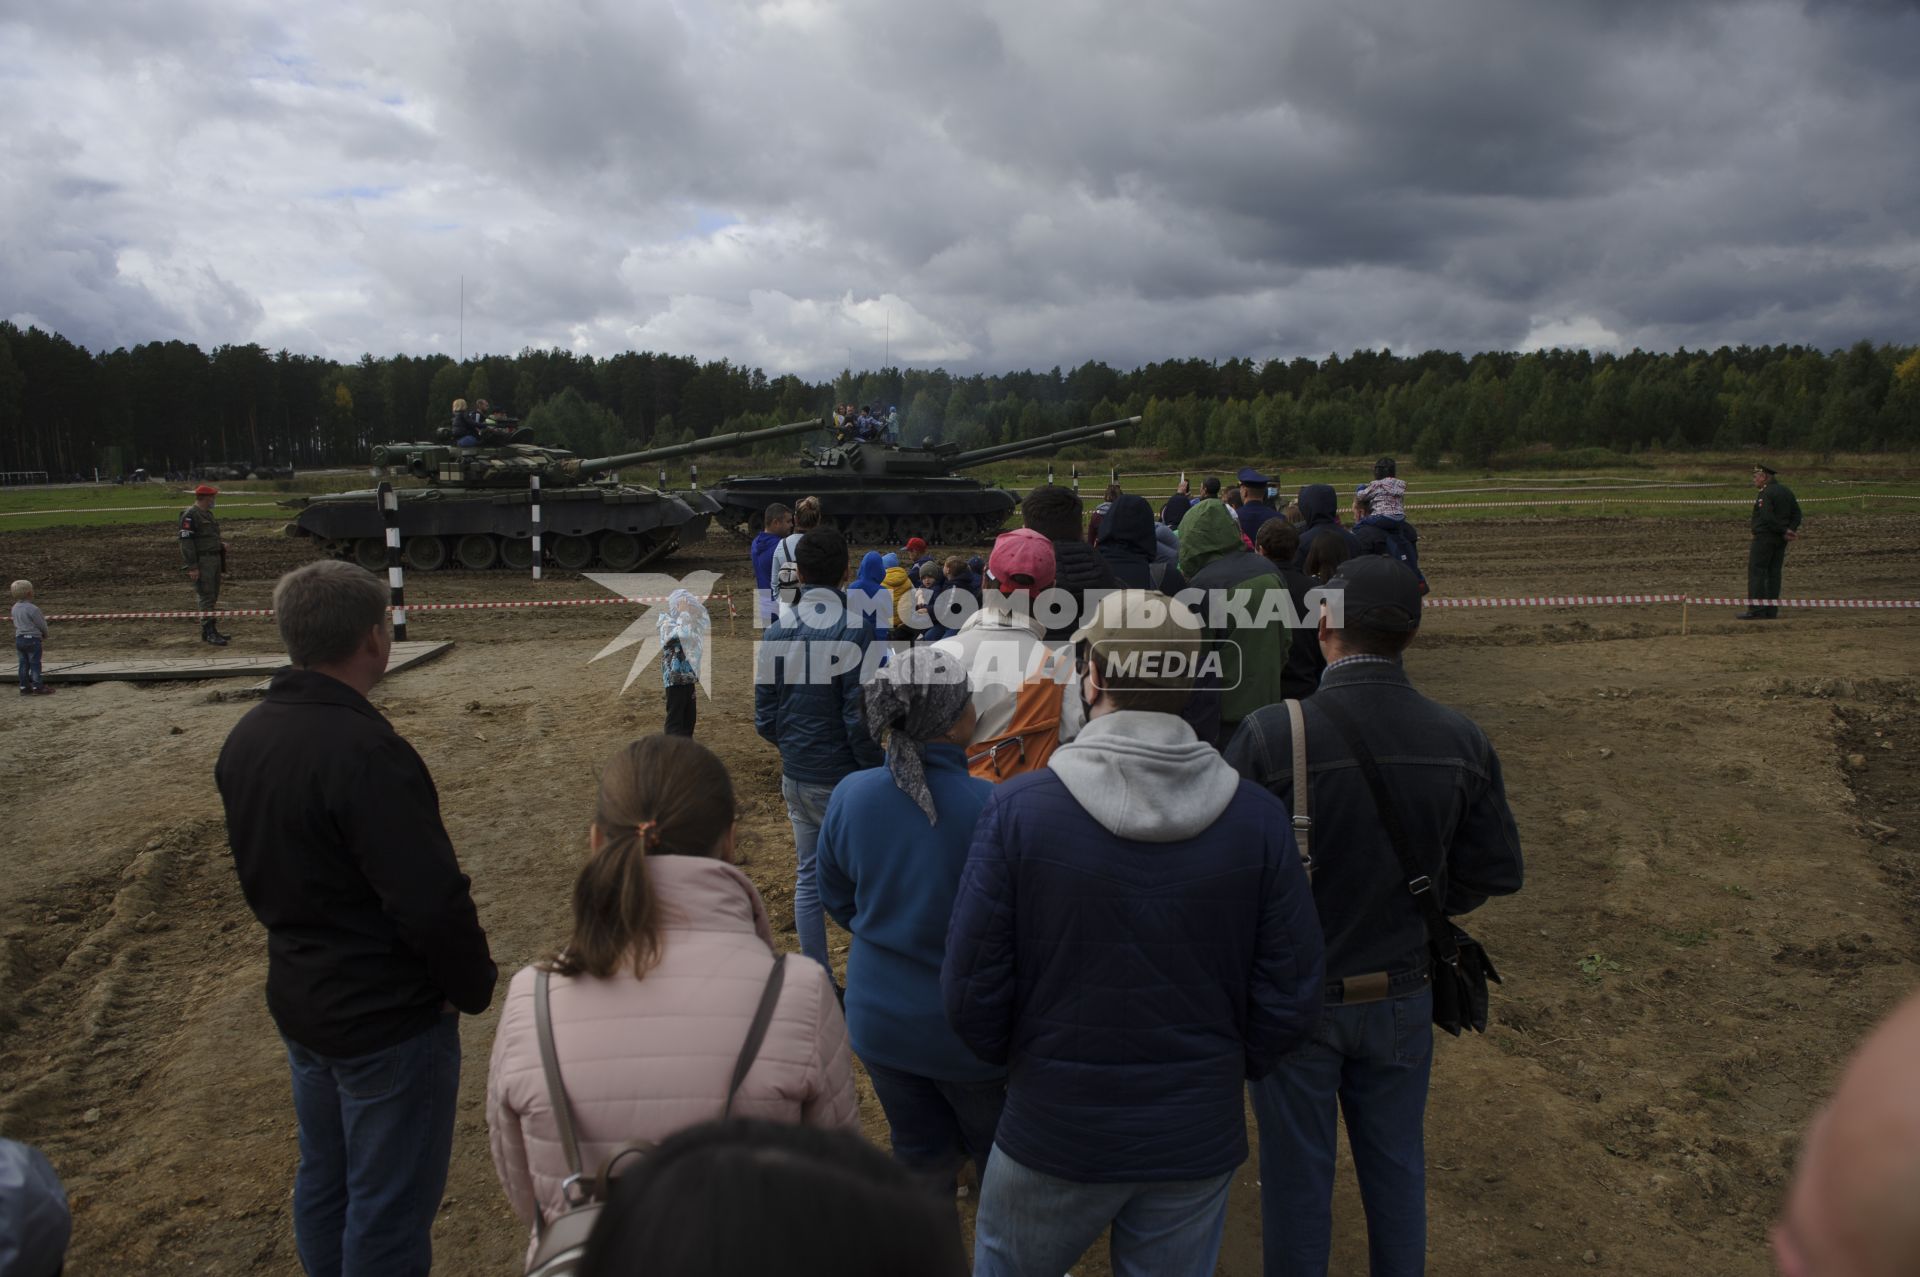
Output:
x,y
1776,521
204,554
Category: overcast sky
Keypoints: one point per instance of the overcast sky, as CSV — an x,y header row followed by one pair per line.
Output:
x,y
983,184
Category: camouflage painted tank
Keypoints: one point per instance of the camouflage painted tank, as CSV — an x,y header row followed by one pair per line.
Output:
x,y
475,510
880,493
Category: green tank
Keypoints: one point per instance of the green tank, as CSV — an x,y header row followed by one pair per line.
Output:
x,y
475,508
879,493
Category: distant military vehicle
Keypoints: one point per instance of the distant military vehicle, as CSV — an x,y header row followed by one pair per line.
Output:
x,y
233,470
475,511
879,493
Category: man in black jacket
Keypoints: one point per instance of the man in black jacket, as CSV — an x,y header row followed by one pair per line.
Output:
x,y
1054,512
1374,1050
373,943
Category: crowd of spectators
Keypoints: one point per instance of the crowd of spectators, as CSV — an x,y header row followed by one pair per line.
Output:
x,y
1086,928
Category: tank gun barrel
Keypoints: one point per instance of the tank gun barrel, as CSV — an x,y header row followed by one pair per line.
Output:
x,y
695,447
1021,447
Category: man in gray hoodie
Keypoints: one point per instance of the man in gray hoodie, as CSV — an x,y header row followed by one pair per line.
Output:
x,y
1133,937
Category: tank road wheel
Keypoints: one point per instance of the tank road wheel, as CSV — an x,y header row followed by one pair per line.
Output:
x,y
371,554
477,550
517,552
620,551
572,554
424,554
658,547
957,529
867,529
909,526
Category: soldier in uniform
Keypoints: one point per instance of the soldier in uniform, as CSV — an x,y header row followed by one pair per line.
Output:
x,y
1776,521
204,554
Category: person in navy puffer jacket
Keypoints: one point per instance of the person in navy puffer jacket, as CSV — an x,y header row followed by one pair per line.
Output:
x,y
1134,937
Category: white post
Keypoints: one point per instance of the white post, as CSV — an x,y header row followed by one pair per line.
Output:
x,y
533,485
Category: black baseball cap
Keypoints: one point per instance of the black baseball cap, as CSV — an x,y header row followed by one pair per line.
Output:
x,y
1381,593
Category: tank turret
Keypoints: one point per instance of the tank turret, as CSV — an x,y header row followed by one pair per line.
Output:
x,y
879,493
476,510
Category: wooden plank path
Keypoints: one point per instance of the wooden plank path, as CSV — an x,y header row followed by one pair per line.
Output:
x,y
142,669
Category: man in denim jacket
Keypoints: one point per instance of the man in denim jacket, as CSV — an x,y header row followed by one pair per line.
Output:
x,y
1374,1049
807,701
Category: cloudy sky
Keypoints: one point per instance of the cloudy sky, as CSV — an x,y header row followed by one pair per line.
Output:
x,y
983,184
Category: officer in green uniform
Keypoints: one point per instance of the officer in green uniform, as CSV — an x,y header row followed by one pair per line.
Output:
x,y
1776,521
204,554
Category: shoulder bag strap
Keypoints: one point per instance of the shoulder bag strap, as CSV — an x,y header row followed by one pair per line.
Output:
x,y
1439,931
757,1031
1302,819
550,1064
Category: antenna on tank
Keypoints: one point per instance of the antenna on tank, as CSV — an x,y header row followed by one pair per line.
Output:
x,y
463,319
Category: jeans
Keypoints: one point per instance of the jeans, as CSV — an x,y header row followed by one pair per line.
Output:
x,y
29,646
1373,1059
683,704
1036,1225
806,809
376,1132
935,1124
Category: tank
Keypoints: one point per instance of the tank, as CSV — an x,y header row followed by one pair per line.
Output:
x,y
880,493
474,511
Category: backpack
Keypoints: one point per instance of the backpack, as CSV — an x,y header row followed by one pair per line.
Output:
x,y
1034,731
786,572
561,1244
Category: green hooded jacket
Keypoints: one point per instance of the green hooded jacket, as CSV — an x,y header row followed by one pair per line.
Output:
x,y
1252,657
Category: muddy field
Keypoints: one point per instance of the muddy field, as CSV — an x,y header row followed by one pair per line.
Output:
x,y
1720,831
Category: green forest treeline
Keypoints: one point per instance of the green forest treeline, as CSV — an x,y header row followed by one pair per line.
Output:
x,y
169,405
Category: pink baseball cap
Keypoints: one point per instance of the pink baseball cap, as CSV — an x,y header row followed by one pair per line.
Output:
x,y
1021,560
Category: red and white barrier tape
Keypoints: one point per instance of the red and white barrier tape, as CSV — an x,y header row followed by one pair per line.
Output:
x,y
411,607
1603,600
1433,601
1563,600
1839,603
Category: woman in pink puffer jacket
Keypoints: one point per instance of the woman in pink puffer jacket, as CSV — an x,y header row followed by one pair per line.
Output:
x,y
652,997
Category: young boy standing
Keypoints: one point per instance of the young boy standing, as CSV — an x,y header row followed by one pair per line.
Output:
x,y
29,639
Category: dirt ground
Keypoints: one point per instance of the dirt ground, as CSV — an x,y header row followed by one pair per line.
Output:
x,y
1721,895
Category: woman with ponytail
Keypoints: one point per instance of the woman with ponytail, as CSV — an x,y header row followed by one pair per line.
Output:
x,y
652,997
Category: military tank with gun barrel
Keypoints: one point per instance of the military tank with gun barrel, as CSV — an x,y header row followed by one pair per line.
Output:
x,y
879,493
476,508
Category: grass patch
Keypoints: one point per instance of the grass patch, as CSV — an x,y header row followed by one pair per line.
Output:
x,y
1686,939
1598,966
88,505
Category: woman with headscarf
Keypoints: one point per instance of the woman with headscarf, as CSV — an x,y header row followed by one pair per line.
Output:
x,y
891,850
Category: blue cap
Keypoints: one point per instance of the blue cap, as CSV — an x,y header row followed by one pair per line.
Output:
x,y
1251,477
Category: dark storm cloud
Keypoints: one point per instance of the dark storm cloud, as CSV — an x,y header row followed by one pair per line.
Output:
x,y
984,184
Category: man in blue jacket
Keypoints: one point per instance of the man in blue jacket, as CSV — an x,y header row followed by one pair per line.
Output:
x,y
775,526
806,700
1133,937
1372,1055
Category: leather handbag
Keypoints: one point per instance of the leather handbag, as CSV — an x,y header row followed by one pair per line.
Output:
x,y
562,1243
1461,967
